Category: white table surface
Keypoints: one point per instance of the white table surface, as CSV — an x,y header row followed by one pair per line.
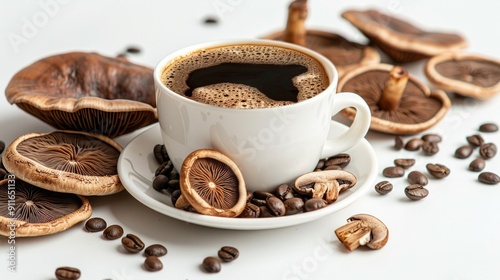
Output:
x,y
454,233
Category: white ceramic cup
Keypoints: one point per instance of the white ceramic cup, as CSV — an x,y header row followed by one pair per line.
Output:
x,y
271,146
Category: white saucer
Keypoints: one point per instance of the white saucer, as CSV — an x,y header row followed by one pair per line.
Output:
x,y
136,167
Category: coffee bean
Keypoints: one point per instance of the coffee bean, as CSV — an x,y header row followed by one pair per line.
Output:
x,y
294,205
211,20
275,206
228,253
464,151
404,162
475,140
160,153
416,192
165,168
113,232
250,211
156,250
95,224
284,192
439,171
333,167
393,172
488,150
174,196
417,177
488,127
133,49
398,143
477,165
383,187
264,212
489,178
2,146
430,148
211,265
153,263
414,144
173,185
67,273
314,204
341,160
132,243
3,173
432,138
160,182
321,164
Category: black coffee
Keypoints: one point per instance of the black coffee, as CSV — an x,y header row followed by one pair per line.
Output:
x,y
246,76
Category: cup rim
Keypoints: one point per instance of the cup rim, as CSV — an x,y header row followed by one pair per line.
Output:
x,y
329,67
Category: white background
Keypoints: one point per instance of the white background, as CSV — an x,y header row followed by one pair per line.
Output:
x,y
454,233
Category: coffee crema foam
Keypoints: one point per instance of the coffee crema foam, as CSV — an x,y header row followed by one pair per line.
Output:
x,y
232,95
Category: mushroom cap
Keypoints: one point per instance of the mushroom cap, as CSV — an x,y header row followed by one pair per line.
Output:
x,y
419,107
213,184
326,184
66,161
379,231
86,92
38,211
401,40
344,54
466,74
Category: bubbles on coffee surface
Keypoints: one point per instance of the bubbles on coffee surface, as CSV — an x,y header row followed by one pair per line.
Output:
x,y
246,76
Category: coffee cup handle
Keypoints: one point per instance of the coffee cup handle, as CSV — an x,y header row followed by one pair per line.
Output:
x,y
357,130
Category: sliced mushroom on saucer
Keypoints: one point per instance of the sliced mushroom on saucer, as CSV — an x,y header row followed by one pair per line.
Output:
x,y
399,102
401,40
327,184
212,184
66,161
27,210
86,92
465,74
343,53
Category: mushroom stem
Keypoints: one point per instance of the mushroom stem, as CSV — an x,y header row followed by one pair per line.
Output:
x,y
394,87
295,31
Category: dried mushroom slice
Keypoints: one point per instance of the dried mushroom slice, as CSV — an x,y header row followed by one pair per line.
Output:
x,y
401,40
213,184
400,104
26,210
86,92
345,54
327,184
465,74
66,161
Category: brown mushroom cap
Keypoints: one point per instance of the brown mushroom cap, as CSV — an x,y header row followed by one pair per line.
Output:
x,y
419,108
401,40
38,211
466,74
344,54
66,161
213,184
86,92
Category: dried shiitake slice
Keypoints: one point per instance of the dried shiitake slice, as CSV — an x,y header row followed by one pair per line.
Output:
x,y
213,184
465,74
66,161
27,210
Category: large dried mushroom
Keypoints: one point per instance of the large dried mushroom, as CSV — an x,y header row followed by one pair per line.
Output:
x,y
26,210
86,92
346,55
212,184
325,184
401,40
66,161
465,74
399,102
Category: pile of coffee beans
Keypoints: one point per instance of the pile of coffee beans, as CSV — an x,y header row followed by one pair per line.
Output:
x,y
283,201
226,254
428,144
